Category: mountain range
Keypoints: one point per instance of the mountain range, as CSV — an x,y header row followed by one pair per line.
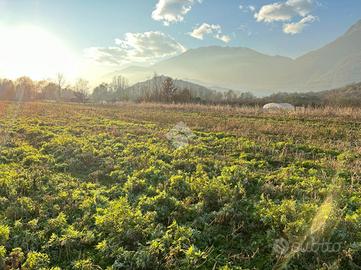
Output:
x,y
334,65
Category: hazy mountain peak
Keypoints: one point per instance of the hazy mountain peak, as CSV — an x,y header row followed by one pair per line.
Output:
x,y
354,28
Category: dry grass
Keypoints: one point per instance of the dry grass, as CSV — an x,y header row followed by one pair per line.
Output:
x,y
335,128
344,112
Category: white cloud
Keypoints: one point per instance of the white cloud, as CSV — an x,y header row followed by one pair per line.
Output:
x,y
147,47
171,11
284,11
224,38
204,29
295,28
252,8
247,9
215,30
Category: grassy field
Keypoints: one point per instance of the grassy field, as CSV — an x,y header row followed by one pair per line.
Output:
x,y
150,186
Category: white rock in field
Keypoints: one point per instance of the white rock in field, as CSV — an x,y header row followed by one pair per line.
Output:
x,y
278,106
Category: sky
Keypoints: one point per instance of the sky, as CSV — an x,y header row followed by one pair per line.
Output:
x,y
84,38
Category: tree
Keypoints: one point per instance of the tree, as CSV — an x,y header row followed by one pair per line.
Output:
x,y
155,86
168,90
81,90
60,82
39,86
184,96
49,91
102,93
25,88
118,85
230,96
7,89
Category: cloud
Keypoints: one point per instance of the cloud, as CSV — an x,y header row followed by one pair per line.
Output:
x,y
215,30
284,11
224,38
147,47
172,11
252,8
295,28
247,9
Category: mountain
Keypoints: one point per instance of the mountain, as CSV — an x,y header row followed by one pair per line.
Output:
x,y
150,86
228,67
222,67
349,96
332,66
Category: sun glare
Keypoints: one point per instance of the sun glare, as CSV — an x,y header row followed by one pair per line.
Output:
x,y
31,51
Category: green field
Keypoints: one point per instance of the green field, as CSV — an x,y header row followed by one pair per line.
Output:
x,y
108,187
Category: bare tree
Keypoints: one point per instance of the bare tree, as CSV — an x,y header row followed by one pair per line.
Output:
x,y
7,90
118,85
120,82
168,90
25,88
49,91
81,88
155,88
60,82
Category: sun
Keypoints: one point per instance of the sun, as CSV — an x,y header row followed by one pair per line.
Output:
x,y
32,51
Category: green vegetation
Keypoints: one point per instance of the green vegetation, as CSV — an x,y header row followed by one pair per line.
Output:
x,y
95,187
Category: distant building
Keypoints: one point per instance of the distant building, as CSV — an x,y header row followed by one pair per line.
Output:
x,y
279,106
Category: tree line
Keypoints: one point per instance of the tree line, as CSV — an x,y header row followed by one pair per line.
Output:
x,y
26,89
164,90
